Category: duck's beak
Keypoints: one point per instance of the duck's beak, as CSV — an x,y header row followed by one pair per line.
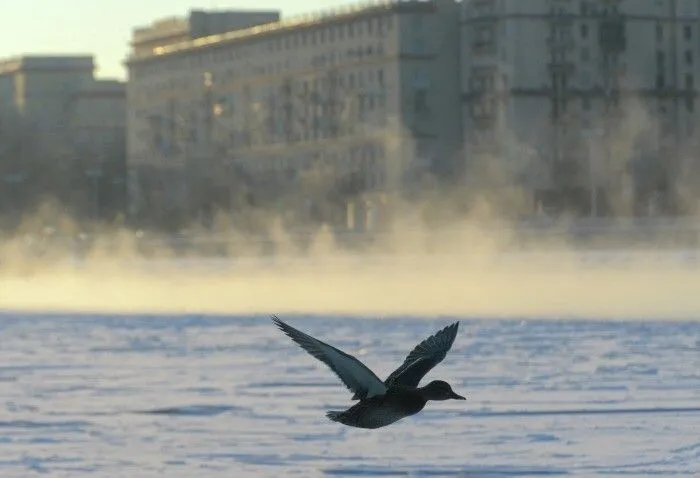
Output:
x,y
457,397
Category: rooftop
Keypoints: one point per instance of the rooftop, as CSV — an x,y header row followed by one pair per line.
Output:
x,y
47,62
198,21
300,21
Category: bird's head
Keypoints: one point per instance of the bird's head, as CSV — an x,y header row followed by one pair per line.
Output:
x,y
440,390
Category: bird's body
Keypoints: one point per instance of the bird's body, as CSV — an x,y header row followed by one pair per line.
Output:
x,y
381,410
382,403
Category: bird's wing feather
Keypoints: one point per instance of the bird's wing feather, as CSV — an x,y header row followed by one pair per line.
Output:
x,y
423,358
354,374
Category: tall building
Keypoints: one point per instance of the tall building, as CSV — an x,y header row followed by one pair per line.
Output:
x,y
55,114
363,95
578,99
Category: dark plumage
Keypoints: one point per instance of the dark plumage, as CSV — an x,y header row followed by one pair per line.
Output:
x,y
383,403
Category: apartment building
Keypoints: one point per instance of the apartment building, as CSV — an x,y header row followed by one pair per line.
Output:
x,y
579,98
364,92
54,112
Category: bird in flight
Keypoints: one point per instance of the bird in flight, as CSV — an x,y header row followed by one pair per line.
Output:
x,y
383,403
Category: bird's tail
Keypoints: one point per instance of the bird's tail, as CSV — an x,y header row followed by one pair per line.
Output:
x,y
334,415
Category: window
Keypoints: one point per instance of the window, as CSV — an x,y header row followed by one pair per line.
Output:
x,y
584,31
688,57
687,32
689,81
659,32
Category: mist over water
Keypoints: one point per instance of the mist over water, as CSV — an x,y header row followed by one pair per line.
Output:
x,y
456,252
469,270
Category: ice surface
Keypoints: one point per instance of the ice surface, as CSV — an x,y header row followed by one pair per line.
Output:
x,y
140,396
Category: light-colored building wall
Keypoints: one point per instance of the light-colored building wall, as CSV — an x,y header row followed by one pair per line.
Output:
x,y
345,91
540,81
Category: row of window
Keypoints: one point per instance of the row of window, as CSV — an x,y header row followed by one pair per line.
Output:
x,y
246,71
165,144
333,82
324,60
250,68
331,33
482,8
485,82
488,111
324,36
484,35
488,108
272,124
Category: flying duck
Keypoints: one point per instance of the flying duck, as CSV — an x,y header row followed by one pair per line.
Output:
x,y
383,403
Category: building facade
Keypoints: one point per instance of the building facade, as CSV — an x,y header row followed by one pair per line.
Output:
x,y
579,98
361,98
58,121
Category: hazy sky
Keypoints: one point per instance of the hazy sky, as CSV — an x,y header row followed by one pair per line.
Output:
x,y
103,27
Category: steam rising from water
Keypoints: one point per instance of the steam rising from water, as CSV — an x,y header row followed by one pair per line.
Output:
x,y
469,264
468,271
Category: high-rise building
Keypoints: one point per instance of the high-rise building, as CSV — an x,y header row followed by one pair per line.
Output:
x,y
579,98
362,95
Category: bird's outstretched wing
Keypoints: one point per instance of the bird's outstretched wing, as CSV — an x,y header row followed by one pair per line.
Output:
x,y
354,374
423,358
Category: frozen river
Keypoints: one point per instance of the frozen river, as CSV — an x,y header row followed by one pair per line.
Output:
x,y
184,396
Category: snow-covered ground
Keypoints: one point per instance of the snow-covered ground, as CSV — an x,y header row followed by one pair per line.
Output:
x,y
138,396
